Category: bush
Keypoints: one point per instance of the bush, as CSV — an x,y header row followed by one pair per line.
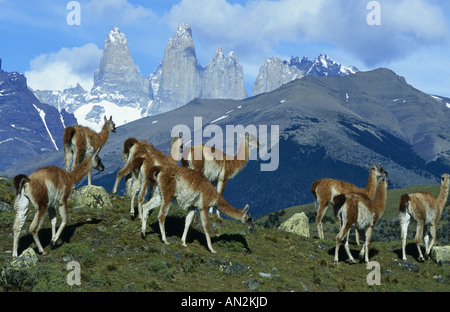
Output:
x,y
80,251
161,269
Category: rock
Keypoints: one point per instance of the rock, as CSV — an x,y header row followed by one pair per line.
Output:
x,y
252,284
407,265
27,259
117,79
268,275
92,196
19,272
223,78
441,254
297,224
229,267
180,78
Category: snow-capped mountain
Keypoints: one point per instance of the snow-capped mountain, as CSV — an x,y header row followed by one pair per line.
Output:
x,y
117,78
180,78
120,90
276,72
27,127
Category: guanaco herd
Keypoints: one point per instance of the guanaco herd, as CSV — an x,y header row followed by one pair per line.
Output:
x,y
191,186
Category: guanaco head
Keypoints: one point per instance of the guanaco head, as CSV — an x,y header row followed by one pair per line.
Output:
x,y
445,178
383,179
250,140
97,162
379,171
247,218
176,146
110,124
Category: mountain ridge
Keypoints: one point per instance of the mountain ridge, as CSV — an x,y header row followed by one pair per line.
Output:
x,y
179,78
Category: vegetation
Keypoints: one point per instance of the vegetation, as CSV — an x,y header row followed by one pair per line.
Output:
x,y
114,258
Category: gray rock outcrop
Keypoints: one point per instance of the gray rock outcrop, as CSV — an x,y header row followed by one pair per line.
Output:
x,y
93,197
297,224
117,77
223,78
180,78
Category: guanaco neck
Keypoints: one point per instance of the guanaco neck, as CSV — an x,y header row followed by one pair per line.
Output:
x,y
443,193
104,134
176,143
371,184
228,209
380,198
81,170
243,152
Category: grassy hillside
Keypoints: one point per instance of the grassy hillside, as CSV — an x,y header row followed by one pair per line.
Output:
x,y
114,258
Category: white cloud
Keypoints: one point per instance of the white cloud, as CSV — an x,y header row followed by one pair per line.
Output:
x,y
259,26
65,68
119,11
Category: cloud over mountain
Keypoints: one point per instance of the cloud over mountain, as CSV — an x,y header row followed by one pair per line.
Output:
x,y
64,69
261,25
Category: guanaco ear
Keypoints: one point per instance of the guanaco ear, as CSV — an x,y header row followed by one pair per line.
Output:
x,y
110,118
180,134
105,118
246,208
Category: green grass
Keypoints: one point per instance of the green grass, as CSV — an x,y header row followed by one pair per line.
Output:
x,y
114,258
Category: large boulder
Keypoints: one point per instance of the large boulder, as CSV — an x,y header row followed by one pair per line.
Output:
x,y
91,196
297,224
20,272
441,254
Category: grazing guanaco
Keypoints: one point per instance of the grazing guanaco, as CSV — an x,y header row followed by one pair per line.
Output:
x,y
216,165
190,189
77,139
47,189
425,209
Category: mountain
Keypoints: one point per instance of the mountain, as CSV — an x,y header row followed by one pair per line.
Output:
x,y
180,78
180,73
223,78
276,72
27,127
117,76
327,127
118,89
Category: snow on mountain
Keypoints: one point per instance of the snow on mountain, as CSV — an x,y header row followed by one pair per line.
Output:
x,y
91,114
119,89
42,115
276,72
27,126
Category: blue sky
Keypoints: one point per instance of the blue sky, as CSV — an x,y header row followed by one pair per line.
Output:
x,y
412,37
